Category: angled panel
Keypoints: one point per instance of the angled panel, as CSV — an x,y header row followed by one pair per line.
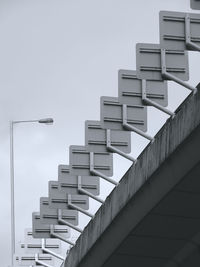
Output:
x,y
53,185
96,138
29,259
148,61
50,216
112,114
36,247
28,235
59,200
32,245
80,161
130,89
173,30
195,4
63,171
70,185
44,231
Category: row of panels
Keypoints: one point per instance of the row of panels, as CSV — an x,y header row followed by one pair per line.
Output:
x,y
119,116
147,86
34,252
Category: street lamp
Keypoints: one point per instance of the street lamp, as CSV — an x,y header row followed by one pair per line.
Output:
x,y
47,121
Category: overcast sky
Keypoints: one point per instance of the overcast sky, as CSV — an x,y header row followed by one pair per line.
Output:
x,y
57,57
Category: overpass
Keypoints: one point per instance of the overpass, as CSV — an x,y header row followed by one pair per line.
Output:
x,y
152,218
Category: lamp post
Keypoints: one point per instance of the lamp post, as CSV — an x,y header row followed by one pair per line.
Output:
x,y
12,184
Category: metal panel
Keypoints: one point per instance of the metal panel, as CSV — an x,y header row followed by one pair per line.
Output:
x,y
36,247
63,171
96,138
173,30
112,114
44,202
148,59
70,185
59,200
80,161
53,185
33,245
28,235
195,4
68,182
50,216
29,259
130,89
44,231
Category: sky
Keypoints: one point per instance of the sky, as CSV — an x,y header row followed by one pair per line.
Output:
x,y
57,58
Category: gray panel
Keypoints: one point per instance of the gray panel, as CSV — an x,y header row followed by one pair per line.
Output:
x,y
130,89
172,30
33,245
95,138
195,4
112,114
80,161
44,201
53,185
63,171
29,259
59,200
148,61
43,231
28,235
50,216
89,183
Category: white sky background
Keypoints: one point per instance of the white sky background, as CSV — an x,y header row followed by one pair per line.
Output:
x,y
56,59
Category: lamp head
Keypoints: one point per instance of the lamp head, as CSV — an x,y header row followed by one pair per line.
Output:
x,y
46,121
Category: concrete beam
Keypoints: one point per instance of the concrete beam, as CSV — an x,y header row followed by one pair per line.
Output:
x,y
142,187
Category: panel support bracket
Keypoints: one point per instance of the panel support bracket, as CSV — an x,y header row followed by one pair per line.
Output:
x,y
69,197
60,220
39,262
169,76
115,150
132,128
44,249
53,234
152,103
188,41
97,173
83,191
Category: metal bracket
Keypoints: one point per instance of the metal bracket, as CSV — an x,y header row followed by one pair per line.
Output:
x,y
94,172
169,76
113,149
67,223
152,103
41,262
188,41
69,201
81,190
53,234
51,252
130,127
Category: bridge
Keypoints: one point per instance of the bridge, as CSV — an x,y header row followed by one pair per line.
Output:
x,y
152,217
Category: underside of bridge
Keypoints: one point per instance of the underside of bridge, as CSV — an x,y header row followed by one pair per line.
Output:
x,y
169,235
153,217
